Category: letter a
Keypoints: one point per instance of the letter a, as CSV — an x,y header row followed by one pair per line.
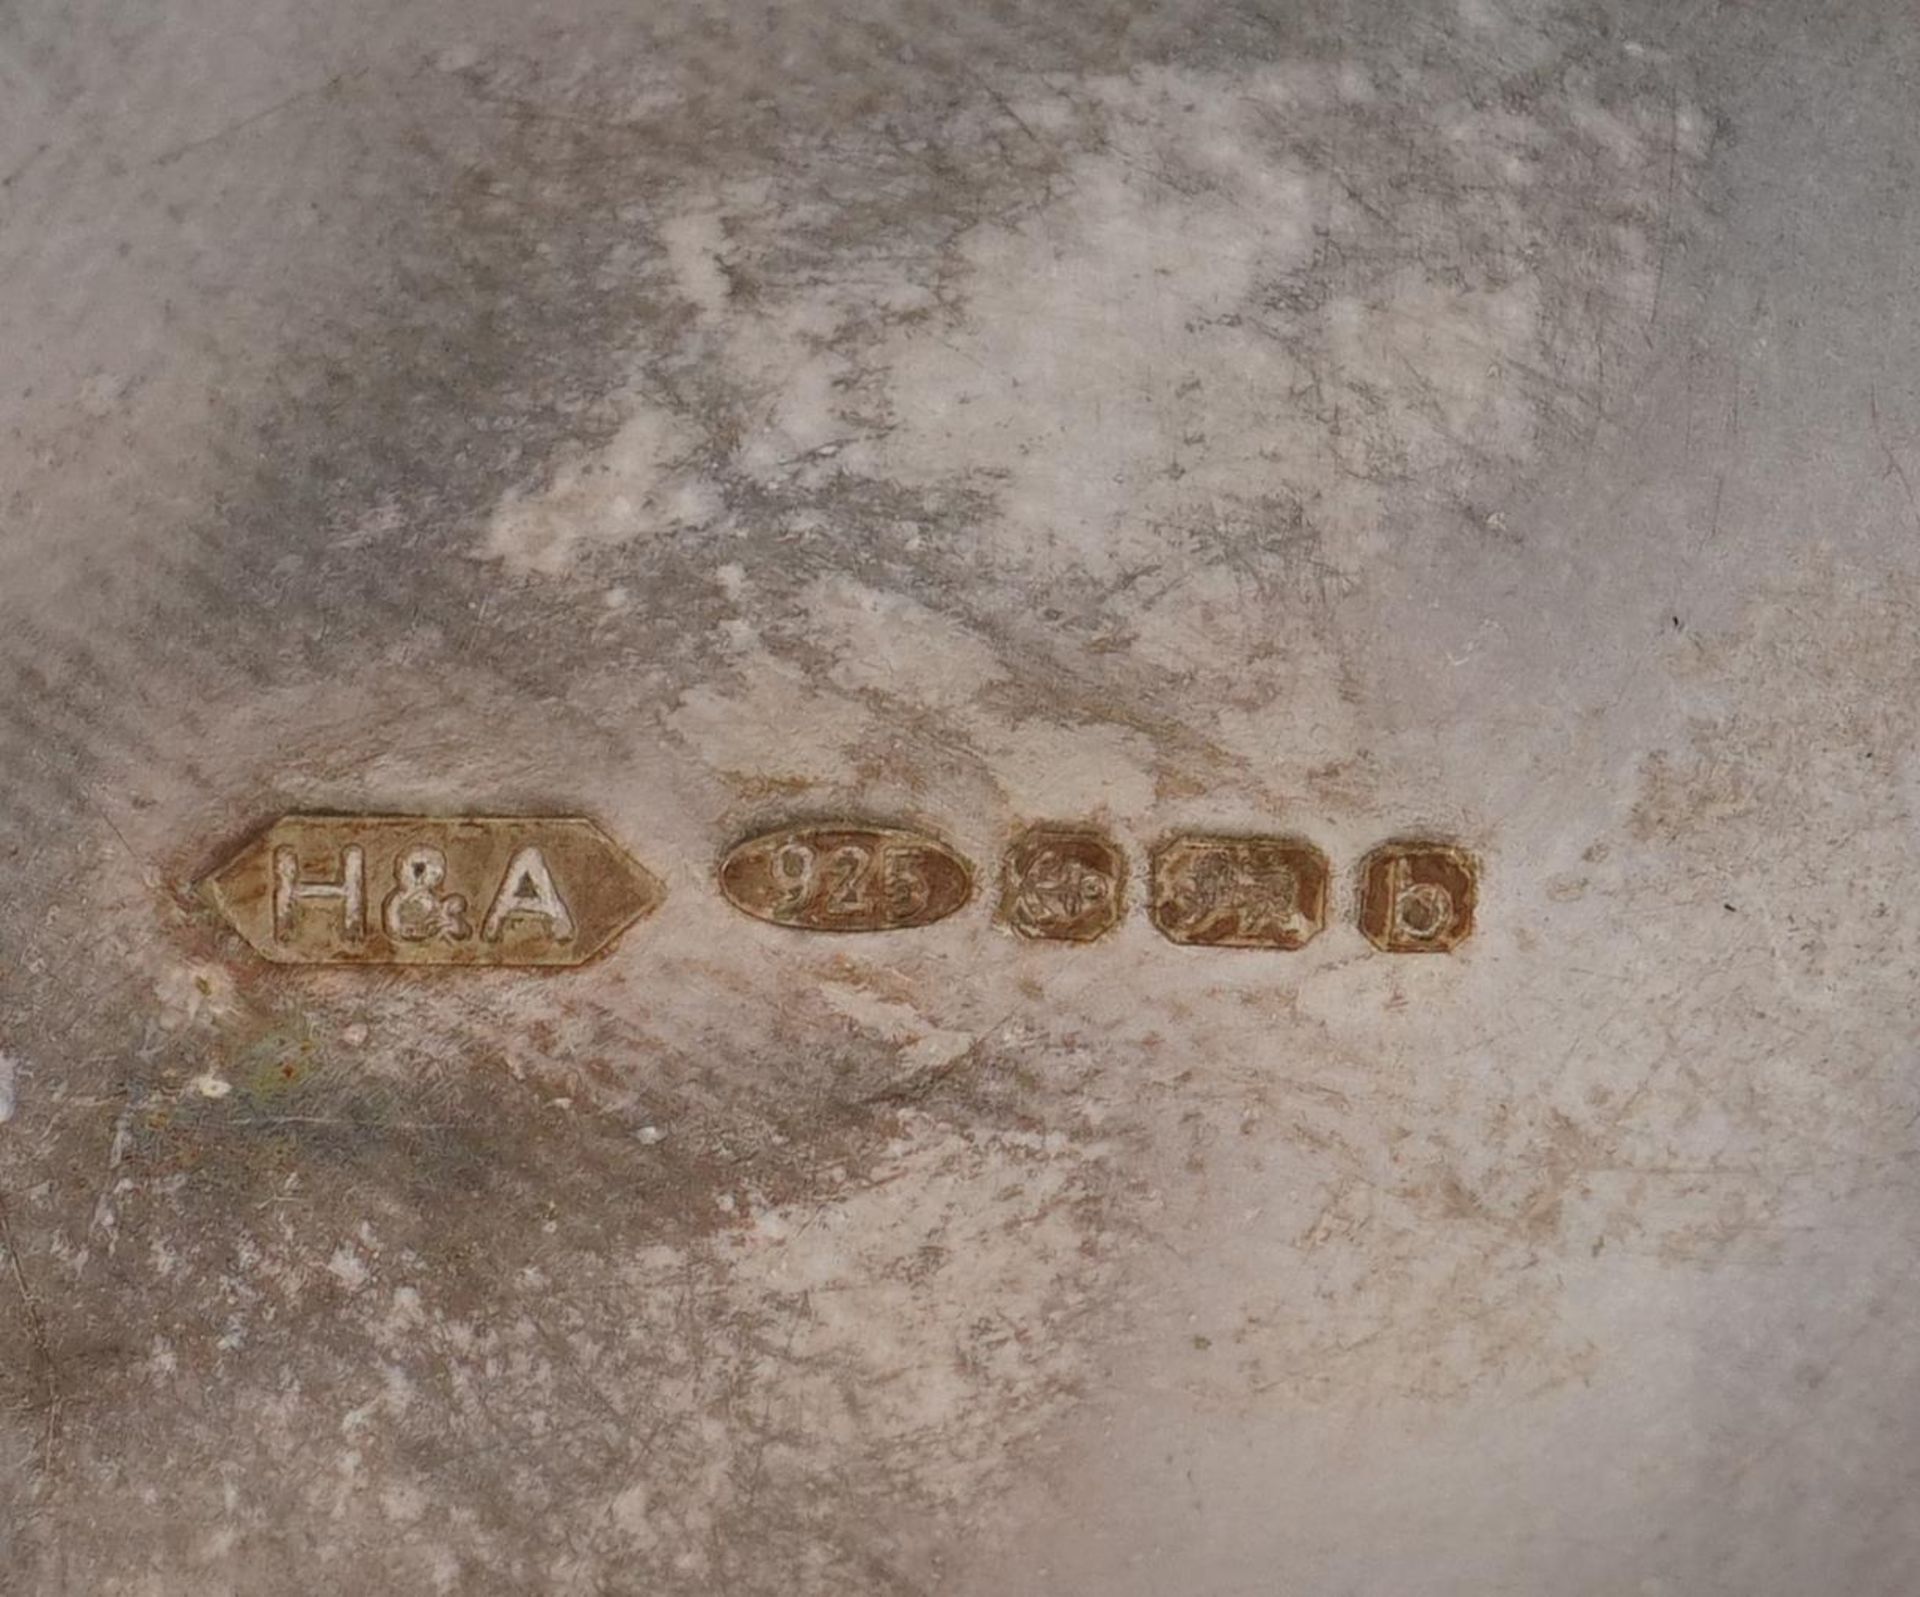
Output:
x,y
527,889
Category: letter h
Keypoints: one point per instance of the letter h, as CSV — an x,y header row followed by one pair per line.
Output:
x,y
350,892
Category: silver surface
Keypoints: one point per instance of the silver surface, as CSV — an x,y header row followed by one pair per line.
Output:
x,y
1490,422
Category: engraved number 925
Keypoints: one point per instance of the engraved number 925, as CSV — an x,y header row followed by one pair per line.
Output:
x,y
848,881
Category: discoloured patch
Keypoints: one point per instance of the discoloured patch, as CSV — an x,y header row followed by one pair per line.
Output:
x,y
714,1325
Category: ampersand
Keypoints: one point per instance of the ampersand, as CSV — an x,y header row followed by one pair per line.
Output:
x,y
414,912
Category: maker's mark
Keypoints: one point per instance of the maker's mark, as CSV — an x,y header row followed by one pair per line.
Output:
x,y
428,890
